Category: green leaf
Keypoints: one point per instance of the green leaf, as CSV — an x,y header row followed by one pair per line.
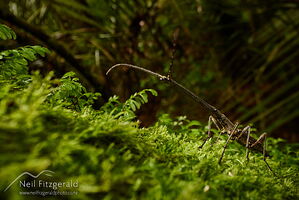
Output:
x,y
28,53
6,33
144,97
132,106
69,75
40,50
154,92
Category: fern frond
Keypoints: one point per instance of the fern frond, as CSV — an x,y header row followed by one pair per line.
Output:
x,y
137,99
71,93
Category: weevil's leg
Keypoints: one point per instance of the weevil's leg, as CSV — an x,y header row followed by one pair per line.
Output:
x,y
247,128
214,121
229,137
243,131
265,150
210,134
263,138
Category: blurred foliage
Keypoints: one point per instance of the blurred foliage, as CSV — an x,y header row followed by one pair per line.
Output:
x,y
49,124
6,33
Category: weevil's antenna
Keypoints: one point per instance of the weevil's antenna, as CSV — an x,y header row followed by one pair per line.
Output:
x,y
174,42
139,68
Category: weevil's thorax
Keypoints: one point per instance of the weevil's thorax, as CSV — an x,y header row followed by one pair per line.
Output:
x,y
222,120
236,133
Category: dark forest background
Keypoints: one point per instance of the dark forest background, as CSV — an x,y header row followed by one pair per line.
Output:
x,y
241,56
